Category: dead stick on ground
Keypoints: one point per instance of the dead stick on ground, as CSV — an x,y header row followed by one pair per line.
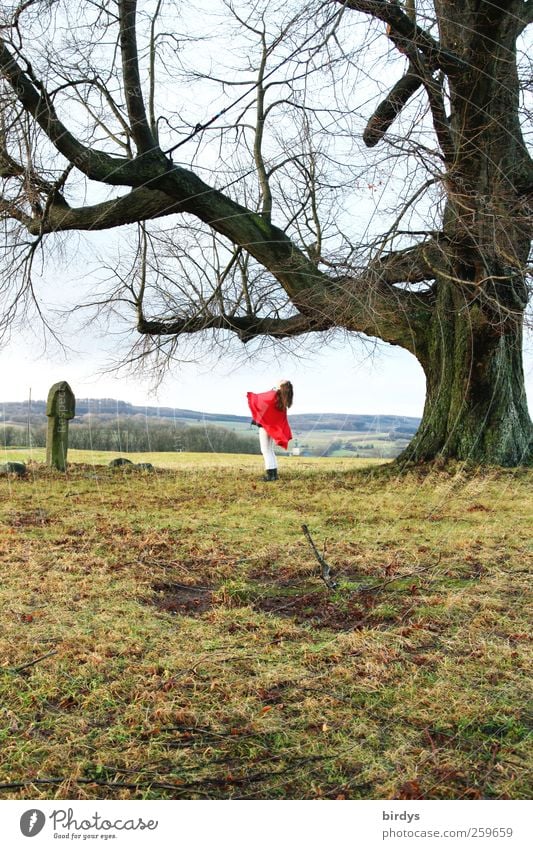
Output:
x,y
227,781
326,568
33,662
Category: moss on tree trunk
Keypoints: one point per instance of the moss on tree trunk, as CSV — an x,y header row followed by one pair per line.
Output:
x,y
476,405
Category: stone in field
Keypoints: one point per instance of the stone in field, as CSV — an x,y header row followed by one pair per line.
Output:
x,y
60,408
120,461
12,468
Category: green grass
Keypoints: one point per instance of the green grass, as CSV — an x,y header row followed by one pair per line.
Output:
x,y
182,460
194,652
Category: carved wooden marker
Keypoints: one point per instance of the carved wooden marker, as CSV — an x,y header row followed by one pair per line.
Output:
x,y
60,407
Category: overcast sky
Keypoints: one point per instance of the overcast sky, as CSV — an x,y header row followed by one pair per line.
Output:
x,y
341,378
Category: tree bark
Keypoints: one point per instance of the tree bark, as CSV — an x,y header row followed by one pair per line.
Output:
x,y
476,405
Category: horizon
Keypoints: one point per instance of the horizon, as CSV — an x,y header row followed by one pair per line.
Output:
x,y
352,377
221,413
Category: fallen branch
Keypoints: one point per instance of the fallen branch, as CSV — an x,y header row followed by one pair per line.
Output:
x,y
226,781
325,573
33,662
16,669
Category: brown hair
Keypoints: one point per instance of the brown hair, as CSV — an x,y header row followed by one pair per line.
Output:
x,y
284,395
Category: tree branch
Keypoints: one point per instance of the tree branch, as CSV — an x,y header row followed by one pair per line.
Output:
x,y
372,303
8,166
245,327
415,264
406,33
421,66
153,51
8,209
441,124
140,128
138,205
95,164
390,108
267,243
368,303
159,189
258,136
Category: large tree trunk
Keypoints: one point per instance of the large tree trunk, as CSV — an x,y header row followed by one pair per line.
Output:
x,y
476,406
471,352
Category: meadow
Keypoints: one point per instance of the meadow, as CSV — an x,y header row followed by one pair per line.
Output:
x,y
167,635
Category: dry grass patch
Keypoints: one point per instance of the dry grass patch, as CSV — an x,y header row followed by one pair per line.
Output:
x,y
168,635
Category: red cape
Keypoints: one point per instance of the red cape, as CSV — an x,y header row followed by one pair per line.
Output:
x,y
264,411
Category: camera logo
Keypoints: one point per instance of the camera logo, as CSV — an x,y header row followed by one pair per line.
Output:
x,y
32,822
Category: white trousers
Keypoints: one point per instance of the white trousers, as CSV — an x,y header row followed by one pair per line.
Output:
x,y
267,449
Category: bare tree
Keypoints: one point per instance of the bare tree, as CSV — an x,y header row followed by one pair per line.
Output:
x,y
261,209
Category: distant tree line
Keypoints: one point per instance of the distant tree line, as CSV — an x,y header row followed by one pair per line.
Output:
x,y
362,449
129,435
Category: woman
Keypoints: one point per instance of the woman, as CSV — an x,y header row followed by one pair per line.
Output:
x,y
269,413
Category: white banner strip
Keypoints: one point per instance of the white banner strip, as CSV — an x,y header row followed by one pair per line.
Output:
x,y
267,824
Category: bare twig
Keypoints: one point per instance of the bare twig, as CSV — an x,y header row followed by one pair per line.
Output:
x,y
325,573
180,785
31,663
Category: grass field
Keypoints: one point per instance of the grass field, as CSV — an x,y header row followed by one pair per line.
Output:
x,y
182,460
316,438
168,635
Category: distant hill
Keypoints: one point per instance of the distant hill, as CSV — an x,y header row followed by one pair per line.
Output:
x,y
108,424
12,412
